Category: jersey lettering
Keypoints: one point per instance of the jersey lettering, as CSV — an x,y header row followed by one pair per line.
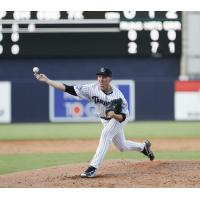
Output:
x,y
97,100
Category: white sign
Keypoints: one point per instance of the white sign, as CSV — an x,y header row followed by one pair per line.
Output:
x,y
5,102
187,105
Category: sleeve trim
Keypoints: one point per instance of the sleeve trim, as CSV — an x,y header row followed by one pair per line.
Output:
x,y
70,90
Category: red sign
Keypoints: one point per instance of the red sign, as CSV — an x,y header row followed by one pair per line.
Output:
x,y
187,86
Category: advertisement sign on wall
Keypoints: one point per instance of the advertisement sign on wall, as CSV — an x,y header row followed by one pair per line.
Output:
x,y
5,102
187,100
64,107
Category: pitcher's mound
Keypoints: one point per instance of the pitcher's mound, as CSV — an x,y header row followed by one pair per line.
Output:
x,y
116,173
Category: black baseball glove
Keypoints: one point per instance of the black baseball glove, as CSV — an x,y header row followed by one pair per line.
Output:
x,y
115,105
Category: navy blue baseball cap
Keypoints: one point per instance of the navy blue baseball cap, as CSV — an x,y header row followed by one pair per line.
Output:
x,y
105,72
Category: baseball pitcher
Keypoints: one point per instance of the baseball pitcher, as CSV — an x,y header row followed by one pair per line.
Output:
x,y
112,108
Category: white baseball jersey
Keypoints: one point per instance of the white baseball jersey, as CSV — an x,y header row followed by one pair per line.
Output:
x,y
113,130
93,93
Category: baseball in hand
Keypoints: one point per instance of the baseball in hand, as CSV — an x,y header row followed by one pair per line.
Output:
x,y
36,70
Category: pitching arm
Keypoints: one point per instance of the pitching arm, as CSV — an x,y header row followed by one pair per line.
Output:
x,y
56,84
43,78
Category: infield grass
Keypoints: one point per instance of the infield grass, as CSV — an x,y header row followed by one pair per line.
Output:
x,y
20,162
44,131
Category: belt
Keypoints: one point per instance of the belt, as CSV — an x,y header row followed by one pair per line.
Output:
x,y
106,118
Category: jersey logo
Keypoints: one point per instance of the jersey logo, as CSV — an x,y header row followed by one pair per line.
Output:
x,y
97,100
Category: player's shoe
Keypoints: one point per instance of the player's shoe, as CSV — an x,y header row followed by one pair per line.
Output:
x,y
147,151
90,172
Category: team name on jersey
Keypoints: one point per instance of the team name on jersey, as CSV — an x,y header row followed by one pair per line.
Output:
x,y
97,100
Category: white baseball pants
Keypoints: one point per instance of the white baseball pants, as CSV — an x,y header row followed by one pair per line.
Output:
x,y
113,132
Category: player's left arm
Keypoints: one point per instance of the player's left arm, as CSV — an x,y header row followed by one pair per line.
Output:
x,y
119,117
122,114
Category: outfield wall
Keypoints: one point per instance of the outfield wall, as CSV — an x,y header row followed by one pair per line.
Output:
x,y
154,83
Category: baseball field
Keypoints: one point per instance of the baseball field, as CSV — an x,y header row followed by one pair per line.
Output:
x,y
54,155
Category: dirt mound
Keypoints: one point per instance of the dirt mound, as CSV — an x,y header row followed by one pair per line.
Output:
x,y
126,173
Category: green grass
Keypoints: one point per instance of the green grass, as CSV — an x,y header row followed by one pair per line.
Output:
x,y
20,162
42,131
